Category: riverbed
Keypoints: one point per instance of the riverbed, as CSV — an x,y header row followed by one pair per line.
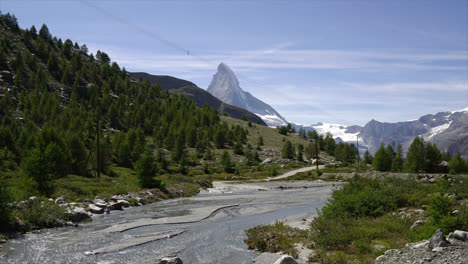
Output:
x,y
207,228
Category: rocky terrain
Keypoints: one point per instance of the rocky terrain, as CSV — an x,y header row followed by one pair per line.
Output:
x,y
437,250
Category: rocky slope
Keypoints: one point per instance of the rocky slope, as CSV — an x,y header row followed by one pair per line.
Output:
x,y
197,94
225,86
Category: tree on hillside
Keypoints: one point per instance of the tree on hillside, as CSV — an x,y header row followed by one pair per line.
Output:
x,y
44,32
147,170
415,158
288,151
457,164
300,151
432,158
368,157
226,162
380,159
398,160
329,144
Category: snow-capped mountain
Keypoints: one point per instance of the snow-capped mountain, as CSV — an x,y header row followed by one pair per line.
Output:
x,y
448,130
225,86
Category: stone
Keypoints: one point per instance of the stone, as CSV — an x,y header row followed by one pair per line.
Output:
x,y
422,244
32,198
88,201
455,212
60,200
424,207
95,209
285,259
438,249
116,198
125,203
117,205
437,240
267,161
102,205
99,201
170,260
417,223
79,214
140,200
20,225
459,235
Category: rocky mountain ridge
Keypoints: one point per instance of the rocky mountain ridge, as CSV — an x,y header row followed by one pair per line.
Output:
x,y
225,86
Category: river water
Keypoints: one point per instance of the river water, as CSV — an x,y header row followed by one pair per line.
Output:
x,y
217,238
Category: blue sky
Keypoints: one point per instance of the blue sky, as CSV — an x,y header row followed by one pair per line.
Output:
x,y
333,61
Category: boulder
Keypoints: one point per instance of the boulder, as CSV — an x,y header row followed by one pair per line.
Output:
x,y
437,240
99,201
285,259
116,198
102,205
140,200
79,214
459,235
20,225
60,200
267,161
417,223
95,209
32,198
117,205
124,202
170,260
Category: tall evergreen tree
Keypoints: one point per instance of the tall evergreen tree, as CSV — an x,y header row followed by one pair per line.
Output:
x,y
415,158
398,160
288,151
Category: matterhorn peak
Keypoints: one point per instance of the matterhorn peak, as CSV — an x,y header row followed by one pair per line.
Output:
x,y
225,86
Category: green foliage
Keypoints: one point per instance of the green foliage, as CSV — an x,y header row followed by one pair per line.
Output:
x,y
147,170
288,151
382,159
226,162
5,208
276,237
368,158
457,164
415,160
41,213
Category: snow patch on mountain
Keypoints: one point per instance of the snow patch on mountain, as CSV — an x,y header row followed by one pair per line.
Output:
x,y
272,120
437,130
337,131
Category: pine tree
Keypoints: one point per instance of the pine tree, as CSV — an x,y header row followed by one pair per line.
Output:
x,y
398,160
300,151
415,158
433,158
147,170
457,164
368,157
288,151
44,32
380,159
226,162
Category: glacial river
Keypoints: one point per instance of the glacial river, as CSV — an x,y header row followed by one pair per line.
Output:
x,y
207,228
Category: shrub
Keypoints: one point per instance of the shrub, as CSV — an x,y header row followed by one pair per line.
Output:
x,y
41,213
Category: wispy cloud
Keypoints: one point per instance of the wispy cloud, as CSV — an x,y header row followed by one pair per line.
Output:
x,y
282,56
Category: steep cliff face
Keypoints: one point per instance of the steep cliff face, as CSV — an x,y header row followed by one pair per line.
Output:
x,y
225,86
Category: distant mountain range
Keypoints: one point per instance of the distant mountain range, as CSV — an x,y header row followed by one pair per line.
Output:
x,y
225,86
449,130
200,96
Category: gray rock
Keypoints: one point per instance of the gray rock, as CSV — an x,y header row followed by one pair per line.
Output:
x,y
99,201
117,205
32,198
437,240
95,209
60,200
417,223
170,260
20,225
285,259
125,203
102,205
459,235
438,249
79,214
140,200
455,212
267,161
116,197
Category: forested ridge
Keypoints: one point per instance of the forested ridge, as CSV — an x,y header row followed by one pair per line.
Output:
x,y
58,101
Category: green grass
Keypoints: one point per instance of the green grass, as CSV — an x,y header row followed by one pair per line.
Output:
x,y
275,238
360,221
